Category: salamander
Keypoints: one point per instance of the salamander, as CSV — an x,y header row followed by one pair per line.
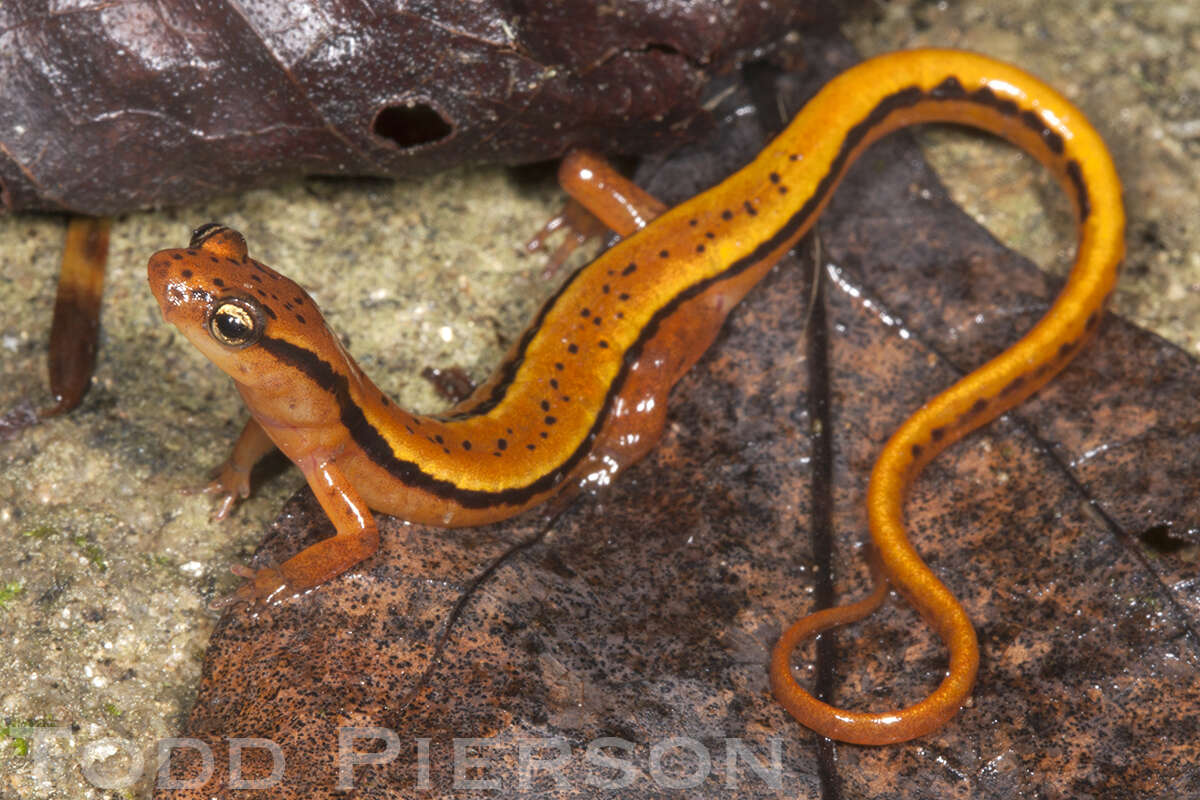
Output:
x,y
585,387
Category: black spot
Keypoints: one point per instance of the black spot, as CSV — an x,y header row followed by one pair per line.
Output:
x,y
937,433
774,177
219,283
664,253
301,320
585,313
572,348
1013,385
917,450
749,208
949,89
985,96
629,270
554,383
979,405
604,288
623,296
558,365
596,320
727,215
267,310
386,403
602,344
187,273
502,444
551,420
545,405
699,248
466,445
438,438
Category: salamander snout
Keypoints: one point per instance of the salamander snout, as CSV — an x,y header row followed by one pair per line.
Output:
x,y
171,282
191,277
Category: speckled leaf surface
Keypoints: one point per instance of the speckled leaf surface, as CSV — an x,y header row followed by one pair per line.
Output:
x,y
106,107
645,613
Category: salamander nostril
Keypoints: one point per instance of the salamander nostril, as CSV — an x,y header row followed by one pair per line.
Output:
x,y
158,266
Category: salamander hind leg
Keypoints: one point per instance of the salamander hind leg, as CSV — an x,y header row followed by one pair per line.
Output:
x,y
602,199
230,481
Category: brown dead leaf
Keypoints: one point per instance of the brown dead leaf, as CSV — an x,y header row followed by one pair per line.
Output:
x,y
114,106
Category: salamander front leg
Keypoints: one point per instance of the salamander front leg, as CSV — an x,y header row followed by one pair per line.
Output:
x,y
231,480
357,538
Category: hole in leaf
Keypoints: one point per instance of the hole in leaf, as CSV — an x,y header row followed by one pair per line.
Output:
x,y
410,124
1160,539
659,47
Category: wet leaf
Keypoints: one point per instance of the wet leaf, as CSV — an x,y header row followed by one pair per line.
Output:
x,y
114,106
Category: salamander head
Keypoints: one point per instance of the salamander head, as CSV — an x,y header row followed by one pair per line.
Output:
x,y
232,307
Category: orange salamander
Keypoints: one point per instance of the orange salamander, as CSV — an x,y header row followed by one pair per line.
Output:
x,y
585,386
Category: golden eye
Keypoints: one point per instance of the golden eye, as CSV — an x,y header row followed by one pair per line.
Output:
x,y
234,324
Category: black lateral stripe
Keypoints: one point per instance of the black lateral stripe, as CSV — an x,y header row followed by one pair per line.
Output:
x,y
1076,175
366,435
369,439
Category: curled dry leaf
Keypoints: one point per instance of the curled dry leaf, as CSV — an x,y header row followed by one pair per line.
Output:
x,y
115,106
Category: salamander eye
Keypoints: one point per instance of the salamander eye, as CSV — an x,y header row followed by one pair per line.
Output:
x,y
235,323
